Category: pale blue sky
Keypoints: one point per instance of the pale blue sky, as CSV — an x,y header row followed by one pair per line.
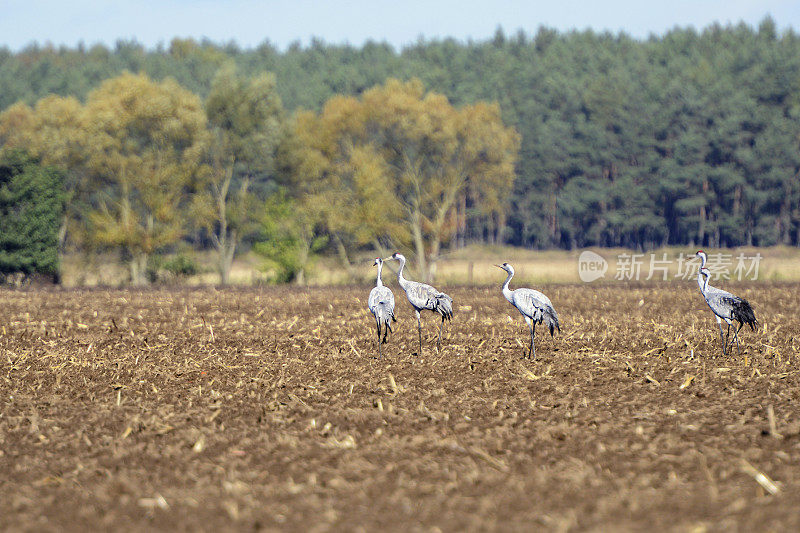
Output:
x,y
401,22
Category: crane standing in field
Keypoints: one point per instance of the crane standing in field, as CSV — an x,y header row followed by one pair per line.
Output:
x,y
727,307
381,305
422,296
534,306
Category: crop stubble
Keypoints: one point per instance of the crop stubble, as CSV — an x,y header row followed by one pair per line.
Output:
x,y
265,409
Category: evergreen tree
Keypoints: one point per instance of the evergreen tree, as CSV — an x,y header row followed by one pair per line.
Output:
x,y
31,207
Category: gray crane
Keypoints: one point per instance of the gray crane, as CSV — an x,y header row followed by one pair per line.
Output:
x,y
725,306
381,305
534,306
422,296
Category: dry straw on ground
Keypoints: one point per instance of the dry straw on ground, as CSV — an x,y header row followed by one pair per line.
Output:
x,y
265,409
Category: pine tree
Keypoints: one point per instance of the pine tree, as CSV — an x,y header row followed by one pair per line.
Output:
x,y
31,207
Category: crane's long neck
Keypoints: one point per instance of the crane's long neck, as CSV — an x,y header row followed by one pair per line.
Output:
x,y
379,282
702,282
506,291
400,279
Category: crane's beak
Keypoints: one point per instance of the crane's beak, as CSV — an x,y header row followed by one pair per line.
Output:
x,y
500,267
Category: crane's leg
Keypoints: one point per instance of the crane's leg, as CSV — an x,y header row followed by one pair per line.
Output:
x,y
380,354
385,331
721,335
728,335
530,327
419,330
533,346
441,328
736,336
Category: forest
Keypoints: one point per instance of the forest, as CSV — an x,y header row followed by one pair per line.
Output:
x,y
545,140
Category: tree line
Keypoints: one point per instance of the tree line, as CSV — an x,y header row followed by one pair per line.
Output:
x,y
147,166
686,138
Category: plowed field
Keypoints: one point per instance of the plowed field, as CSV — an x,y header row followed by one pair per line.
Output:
x,y
266,409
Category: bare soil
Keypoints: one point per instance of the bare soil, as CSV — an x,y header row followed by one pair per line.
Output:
x,y
266,409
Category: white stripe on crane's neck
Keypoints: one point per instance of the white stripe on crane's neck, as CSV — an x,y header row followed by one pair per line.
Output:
x,y
506,291
379,282
702,281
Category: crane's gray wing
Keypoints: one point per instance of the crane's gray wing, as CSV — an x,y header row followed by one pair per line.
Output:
x,y
530,303
419,294
381,304
536,306
423,296
720,302
731,307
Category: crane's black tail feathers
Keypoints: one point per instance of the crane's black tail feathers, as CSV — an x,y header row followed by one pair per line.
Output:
x,y
389,322
444,306
744,314
551,320
384,315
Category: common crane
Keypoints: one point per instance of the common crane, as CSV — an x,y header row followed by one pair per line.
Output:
x,y
534,306
422,296
381,305
727,307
